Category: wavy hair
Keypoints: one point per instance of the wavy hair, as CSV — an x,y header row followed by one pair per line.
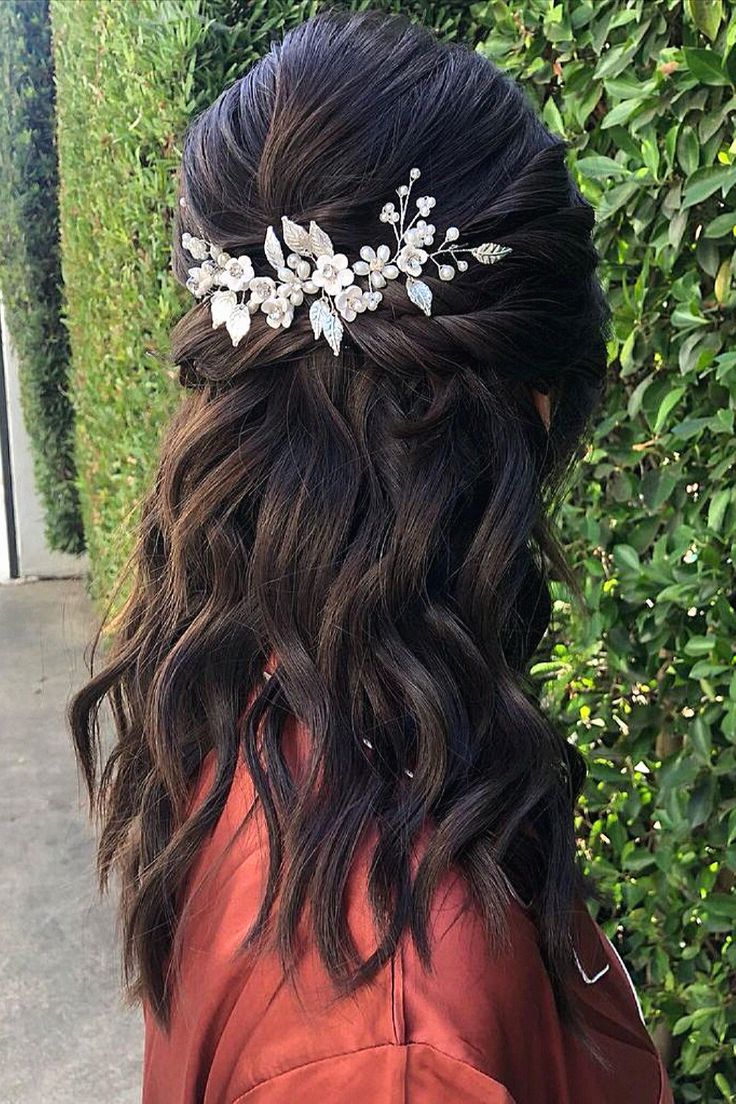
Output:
x,y
377,521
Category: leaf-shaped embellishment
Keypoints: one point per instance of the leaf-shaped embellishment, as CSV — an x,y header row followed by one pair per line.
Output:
x,y
317,313
221,307
333,330
419,293
490,252
319,241
272,249
238,323
295,236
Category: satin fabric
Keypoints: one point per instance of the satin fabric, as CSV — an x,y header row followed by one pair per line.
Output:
x,y
478,1028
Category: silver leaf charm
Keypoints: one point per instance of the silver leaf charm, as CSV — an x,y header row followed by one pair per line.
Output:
x,y
319,241
490,252
221,307
238,323
332,328
295,236
317,313
272,248
419,293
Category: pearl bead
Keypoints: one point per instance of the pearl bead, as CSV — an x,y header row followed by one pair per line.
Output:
x,y
415,174
446,272
462,266
452,233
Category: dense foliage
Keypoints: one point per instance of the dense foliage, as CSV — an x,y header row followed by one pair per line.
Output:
x,y
30,274
645,94
125,75
129,76
646,684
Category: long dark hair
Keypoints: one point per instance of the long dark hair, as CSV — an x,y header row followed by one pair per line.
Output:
x,y
378,520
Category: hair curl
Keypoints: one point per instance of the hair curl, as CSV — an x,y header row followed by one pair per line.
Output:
x,y
378,521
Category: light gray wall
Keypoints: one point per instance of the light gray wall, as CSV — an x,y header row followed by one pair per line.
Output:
x,y
35,558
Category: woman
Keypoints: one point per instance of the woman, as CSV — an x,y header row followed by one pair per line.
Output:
x,y
344,831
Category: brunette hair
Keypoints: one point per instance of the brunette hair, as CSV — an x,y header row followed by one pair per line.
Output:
x,y
378,521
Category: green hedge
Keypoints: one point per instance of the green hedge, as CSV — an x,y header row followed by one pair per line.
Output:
x,y
129,77
644,92
30,274
125,76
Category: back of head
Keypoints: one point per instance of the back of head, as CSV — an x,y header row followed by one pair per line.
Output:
x,y
375,519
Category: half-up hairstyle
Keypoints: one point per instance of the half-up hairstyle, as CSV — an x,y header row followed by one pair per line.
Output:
x,y
377,521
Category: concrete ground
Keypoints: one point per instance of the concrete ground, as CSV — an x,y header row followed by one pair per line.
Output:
x,y
65,1035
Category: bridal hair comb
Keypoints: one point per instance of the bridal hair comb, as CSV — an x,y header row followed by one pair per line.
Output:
x,y
312,267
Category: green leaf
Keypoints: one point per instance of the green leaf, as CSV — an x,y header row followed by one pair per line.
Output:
x,y
688,150
706,15
717,508
700,645
627,557
705,65
721,225
600,167
708,180
724,1086
637,395
553,118
621,113
669,402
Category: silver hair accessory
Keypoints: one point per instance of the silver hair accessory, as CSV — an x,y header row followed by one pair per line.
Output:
x,y
312,267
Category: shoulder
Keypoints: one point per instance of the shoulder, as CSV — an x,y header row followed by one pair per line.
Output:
x,y
496,1011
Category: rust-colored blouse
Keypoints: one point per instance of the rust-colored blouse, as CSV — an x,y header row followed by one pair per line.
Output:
x,y
479,1029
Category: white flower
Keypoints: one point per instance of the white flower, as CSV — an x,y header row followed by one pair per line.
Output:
x,y
278,311
292,291
296,282
201,279
237,273
410,260
372,299
261,288
332,273
421,234
198,248
375,263
351,302
222,305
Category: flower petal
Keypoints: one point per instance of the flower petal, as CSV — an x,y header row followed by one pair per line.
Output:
x,y
221,307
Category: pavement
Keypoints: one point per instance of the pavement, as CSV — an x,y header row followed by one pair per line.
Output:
x,y
65,1033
